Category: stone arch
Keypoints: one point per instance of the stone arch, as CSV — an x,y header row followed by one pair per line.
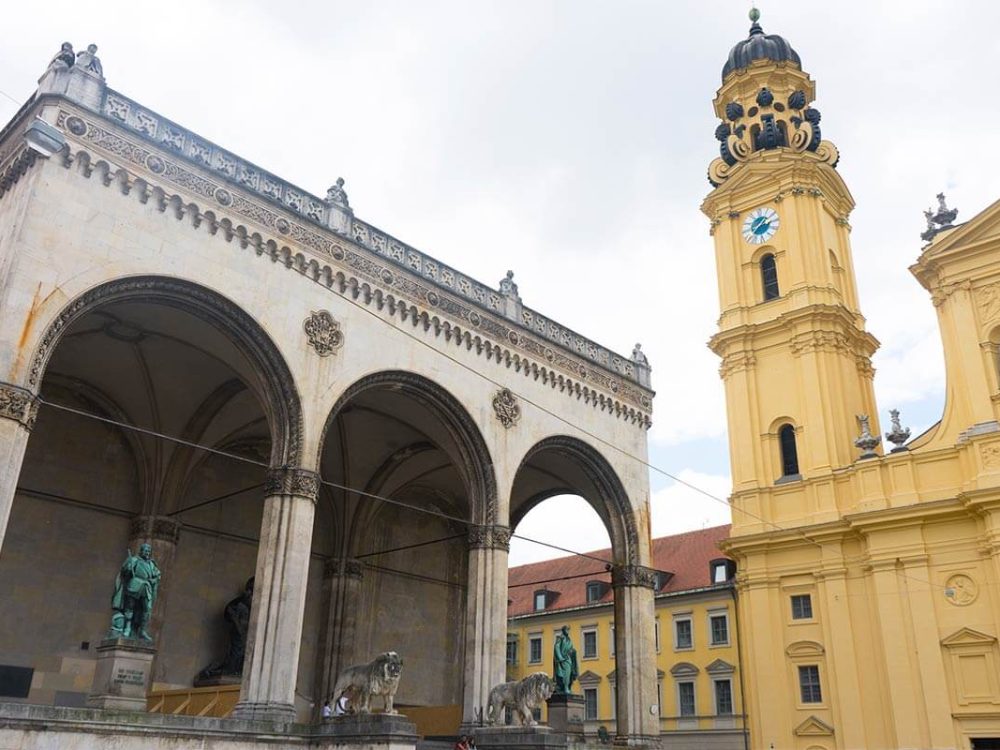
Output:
x,y
281,399
612,502
475,464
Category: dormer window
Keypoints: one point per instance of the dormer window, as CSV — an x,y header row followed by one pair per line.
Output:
x,y
722,570
541,600
595,591
660,579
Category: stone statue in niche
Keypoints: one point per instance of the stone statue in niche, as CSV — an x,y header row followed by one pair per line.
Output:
x,y
237,618
564,665
136,587
87,60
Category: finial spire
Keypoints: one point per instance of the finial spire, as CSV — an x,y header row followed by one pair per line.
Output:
x,y
754,14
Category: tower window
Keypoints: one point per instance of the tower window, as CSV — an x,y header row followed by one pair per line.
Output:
x,y
789,454
769,277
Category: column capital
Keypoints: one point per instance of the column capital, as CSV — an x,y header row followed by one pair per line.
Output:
x,y
633,575
489,537
18,404
289,480
158,528
336,567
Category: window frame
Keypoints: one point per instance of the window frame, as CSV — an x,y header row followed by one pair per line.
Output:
x,y
788,452
584,632
595,591
715,696
770,289
714,615
680,700
803,685
532,639
515,642
544,599
802,618
656,634
587,692
690,626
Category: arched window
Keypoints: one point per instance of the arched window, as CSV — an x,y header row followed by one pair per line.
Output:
x,y
789,454
769,277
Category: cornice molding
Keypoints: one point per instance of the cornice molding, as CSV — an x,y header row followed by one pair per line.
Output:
x,y
346,269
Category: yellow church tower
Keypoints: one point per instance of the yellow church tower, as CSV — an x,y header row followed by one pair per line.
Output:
x,y
869,579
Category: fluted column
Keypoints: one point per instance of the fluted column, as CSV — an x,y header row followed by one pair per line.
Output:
x,y
342,580
638,718
485,617
18,409
275,634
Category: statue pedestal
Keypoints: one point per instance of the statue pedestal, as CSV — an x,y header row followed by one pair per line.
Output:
x,y
566,712
518,738
121,677
367,731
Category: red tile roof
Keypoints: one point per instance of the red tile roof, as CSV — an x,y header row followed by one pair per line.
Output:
x,y
686,555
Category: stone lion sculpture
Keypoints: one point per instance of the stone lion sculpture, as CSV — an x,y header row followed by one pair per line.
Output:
x,y
378,677
520,697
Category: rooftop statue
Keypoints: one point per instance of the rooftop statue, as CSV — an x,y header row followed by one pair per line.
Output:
x,y
337,196
88,60
136,585
507,286
638,357
938,220
564,665
64,58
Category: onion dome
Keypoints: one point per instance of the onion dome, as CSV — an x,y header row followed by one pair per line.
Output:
x,y
759,46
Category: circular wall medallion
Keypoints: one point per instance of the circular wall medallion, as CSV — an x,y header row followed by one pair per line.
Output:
x,y
475,319
513,337
76,126
155,164
223,196
337,252
760,225
387,277
961,590
282,226
432,298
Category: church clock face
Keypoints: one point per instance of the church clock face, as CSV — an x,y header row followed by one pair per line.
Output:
x,y
760,225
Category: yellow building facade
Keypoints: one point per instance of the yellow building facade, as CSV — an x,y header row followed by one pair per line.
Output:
x,y
696,637
868,577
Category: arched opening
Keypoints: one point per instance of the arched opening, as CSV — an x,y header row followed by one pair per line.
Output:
x,y
191,371
789,452
406,474
565,492
769,277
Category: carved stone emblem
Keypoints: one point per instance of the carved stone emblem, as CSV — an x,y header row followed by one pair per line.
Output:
x,y
961,590
323,332
506,407
991,455
18,404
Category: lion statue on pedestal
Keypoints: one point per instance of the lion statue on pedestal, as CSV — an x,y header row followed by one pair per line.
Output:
x,y
378,677
520,697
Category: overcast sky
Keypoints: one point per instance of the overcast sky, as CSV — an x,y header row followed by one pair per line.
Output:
x,y
568,140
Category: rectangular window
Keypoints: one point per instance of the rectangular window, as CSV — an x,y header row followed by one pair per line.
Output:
x,y
590,644
809,684
595,590
612,641
512,651
723,698
685,699
802,607
539,600
535,649
719,628
656,635
590,700
614,701
683,636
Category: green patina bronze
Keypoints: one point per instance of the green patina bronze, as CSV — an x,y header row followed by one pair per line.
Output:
x,y
136,585
564,666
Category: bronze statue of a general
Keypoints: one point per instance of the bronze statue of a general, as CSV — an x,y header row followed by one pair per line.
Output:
x,y
136,586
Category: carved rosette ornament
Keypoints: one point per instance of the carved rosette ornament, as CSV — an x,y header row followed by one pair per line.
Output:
x,y
506,407
290,481
633,575
18,404
489,537
323,332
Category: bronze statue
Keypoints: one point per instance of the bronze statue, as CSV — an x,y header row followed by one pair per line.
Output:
x,y
237,617
564,666
135,593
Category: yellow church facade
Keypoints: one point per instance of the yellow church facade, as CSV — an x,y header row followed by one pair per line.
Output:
x,y
868,569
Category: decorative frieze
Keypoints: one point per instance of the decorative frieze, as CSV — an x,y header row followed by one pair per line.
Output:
x,y
335,567
361,277
18,404
287,480
158,528
323,333
489,537
506,408
633,575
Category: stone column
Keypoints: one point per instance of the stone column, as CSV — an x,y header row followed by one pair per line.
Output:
x,y
342,580
270,670
485,618
18,409
638,717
